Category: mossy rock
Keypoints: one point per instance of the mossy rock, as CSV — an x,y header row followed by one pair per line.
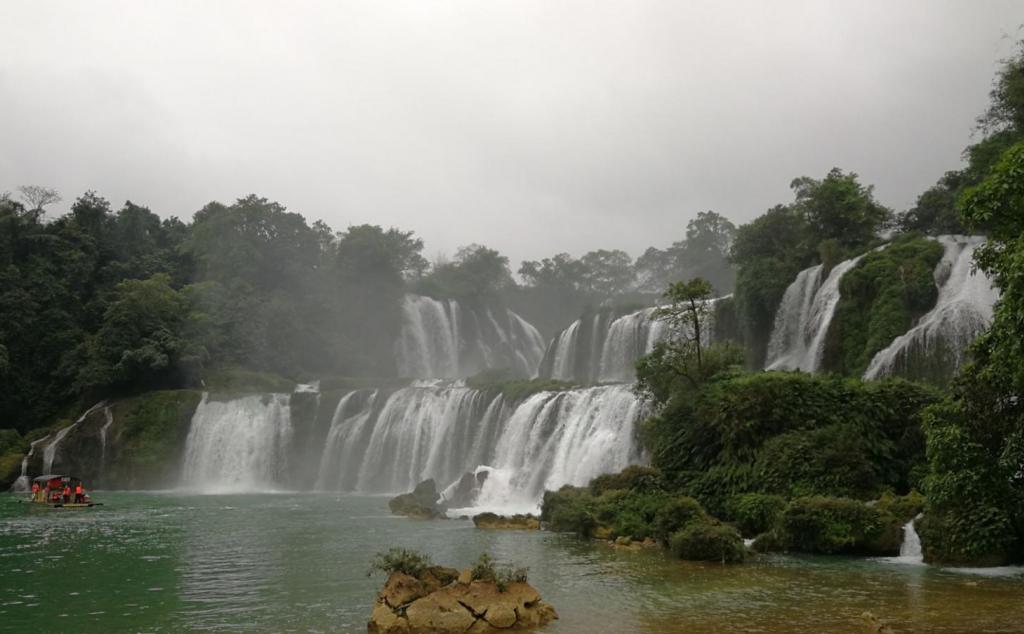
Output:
x,y
708,541
147,439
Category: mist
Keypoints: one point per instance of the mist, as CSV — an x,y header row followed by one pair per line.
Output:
x,y
531,127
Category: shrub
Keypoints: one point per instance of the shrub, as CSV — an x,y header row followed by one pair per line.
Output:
x,y
756,513
831,525
570,509
902,508
707,540
678,513
402,560
485,569
632,478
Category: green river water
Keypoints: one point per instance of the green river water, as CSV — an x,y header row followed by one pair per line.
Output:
x,y
171,562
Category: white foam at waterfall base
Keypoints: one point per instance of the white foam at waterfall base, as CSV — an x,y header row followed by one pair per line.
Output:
x,y
801,323
553,439
962,311
23,482
237,445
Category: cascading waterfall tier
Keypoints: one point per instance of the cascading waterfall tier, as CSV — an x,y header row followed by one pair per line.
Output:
x,y
380,442
239,444
801,323
935,347
604,347
444,339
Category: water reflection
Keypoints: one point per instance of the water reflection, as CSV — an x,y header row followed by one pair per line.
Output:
x,y
274,563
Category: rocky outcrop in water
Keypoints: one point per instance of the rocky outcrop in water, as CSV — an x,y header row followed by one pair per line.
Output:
x,y
424,502
494,521
434,605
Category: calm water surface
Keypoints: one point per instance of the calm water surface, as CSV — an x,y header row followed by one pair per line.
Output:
x,y
169,562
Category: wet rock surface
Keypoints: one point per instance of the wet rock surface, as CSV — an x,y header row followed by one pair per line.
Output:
x,y
506,522
445,601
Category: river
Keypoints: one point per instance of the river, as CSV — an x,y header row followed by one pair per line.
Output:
x,y
168,562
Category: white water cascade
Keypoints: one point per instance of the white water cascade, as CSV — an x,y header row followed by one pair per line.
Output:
x,y
23,483
910,549
801,323
103,434
604,348
239,444
963,310
553,439
50,450
629,337
442,339
379,442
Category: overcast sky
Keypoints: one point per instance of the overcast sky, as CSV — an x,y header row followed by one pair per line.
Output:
x,y
533,126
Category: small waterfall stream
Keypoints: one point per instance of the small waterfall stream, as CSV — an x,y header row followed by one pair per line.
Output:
x,y
103,434
50,450
798,337
24,483
910,549
963,310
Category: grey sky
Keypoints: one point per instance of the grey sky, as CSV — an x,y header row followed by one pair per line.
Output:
x,y
532,127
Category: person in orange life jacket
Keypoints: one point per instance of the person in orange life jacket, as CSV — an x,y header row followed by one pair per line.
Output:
x,y
67,493
78,493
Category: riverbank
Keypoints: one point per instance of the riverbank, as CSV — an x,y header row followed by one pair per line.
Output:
x,y
298,562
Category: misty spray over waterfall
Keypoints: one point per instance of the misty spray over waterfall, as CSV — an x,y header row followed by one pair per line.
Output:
x,y
388,439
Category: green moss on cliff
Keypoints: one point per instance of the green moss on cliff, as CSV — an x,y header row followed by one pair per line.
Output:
x,y
149,438
880,300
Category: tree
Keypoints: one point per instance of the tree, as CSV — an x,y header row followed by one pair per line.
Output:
x,y
606,273
476,272
704,253
839,208
37,197
935,210
684,361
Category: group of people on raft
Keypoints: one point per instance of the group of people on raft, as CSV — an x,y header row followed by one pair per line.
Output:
x,y
59,490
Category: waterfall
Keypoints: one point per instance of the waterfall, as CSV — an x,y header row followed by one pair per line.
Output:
x,y
801,323
388,444
940,338
558,438
50,450
348,426
628,338
103,435
24,483
239,444
443,339
605,348
910,549
564,353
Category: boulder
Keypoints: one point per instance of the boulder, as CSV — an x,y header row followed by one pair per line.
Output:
x,y
422,503
506,522
407,605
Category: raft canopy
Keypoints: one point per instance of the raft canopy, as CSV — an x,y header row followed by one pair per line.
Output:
x,y
53,476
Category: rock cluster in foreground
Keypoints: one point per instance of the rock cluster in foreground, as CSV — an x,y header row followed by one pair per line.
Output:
x,y
445,601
